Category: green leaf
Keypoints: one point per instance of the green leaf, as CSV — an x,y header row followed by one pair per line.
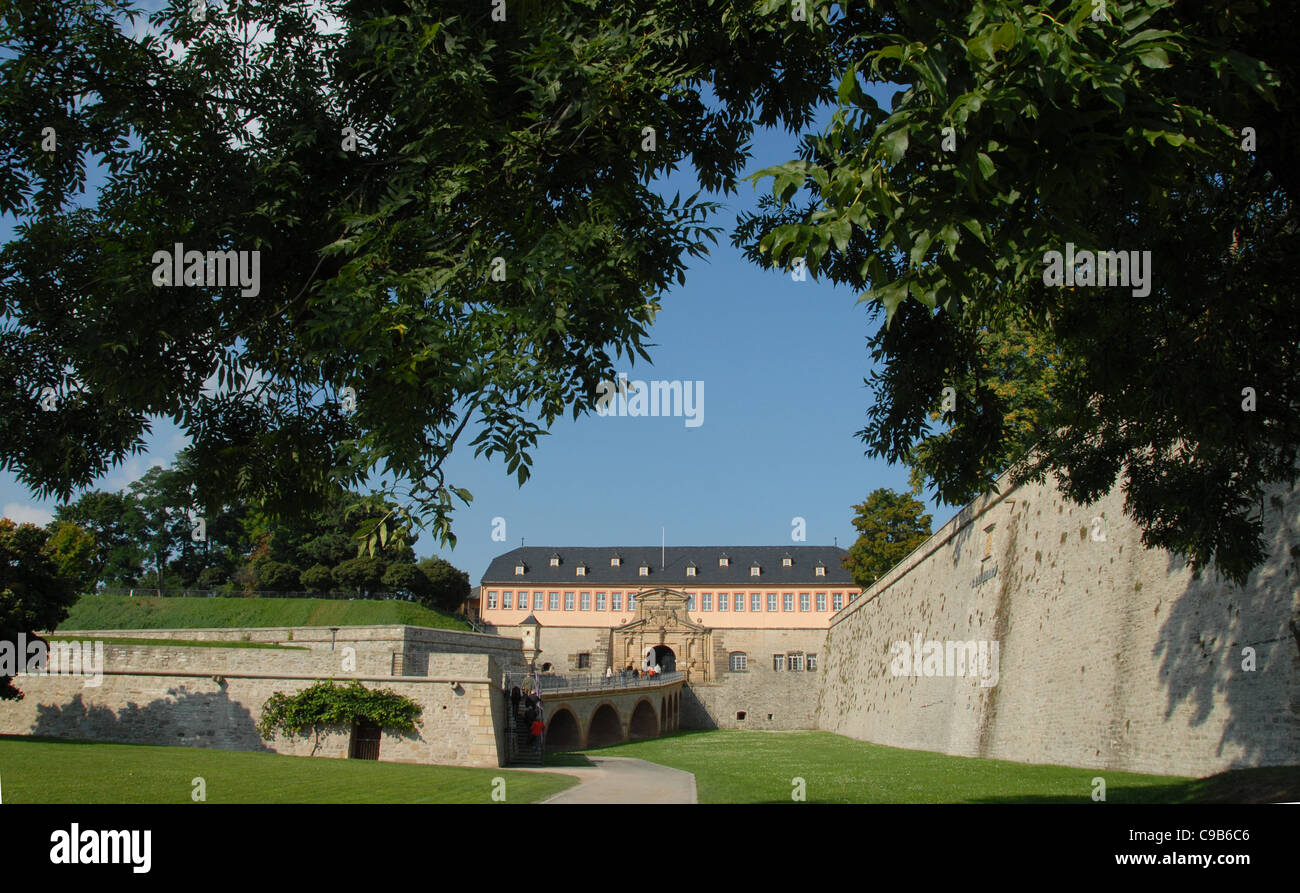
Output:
x,y
895,144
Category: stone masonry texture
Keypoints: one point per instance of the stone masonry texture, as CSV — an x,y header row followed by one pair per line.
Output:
x,y
1111,655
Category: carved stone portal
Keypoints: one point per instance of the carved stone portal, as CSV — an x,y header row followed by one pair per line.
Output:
x,y
663,629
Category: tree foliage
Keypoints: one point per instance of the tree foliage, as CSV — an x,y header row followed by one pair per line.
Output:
x,y
1021,127
381,157
890,525
35,591
326,704
446,587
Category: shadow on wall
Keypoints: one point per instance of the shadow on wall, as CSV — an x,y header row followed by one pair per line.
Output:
x,y
193,719
694,714
1203,640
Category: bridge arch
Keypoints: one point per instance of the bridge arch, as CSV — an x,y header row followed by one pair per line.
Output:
x,y
644,722
606,728
562,731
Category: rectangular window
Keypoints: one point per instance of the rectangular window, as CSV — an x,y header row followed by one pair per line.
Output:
x,y
584,661
852,596
616,601
568,601
555,601
738,662
771,601
804,601
507,599
755,601
812,662
821,601
740,601
690,602
837,601
600,601
631,601
537,600
586,601
787,601
778,661
796,663
492,599
706,601
722,601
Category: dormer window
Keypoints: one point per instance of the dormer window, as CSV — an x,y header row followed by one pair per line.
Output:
x,y
616,561
645,570
555,561
754,570
582,570
820,570
724,561
690,570
519,570
787,561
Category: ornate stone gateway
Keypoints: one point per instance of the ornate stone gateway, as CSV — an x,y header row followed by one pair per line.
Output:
x,y
663,631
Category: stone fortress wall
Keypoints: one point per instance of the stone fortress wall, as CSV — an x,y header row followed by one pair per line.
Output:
x,y
213,697
1110,655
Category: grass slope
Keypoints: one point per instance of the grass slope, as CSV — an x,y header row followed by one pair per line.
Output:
x,y
759,767
125,612
48,770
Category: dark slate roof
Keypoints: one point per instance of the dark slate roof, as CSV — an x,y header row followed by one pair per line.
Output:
x,y
501,572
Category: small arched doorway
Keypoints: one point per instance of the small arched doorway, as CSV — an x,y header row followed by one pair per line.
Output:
x,y
664,657
644,722
605,727
562,731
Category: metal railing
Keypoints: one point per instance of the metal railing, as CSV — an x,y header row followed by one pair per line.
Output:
x,y
551,682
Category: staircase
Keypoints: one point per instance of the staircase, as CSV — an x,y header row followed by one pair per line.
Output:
x,y
521,750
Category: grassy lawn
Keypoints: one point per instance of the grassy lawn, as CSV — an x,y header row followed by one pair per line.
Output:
x,y
49,770
186,643
125,612
758,767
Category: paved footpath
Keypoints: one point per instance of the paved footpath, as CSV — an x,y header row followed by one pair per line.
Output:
x,y
625,780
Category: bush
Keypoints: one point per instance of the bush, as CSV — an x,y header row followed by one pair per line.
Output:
x,y
447,588
318,578
213,577
362,574
276,576
404,578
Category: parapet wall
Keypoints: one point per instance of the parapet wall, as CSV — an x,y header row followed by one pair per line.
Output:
x,y
1110,655
213,697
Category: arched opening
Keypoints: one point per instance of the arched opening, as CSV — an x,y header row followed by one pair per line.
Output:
x,y
605,727
562,731
665,658
644,722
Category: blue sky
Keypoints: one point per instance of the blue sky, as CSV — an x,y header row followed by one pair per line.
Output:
x,y
782,365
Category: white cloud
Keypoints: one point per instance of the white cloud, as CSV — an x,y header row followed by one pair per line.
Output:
x,y
27,514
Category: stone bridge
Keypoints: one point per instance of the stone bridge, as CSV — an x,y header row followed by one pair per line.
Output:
x,y
603,714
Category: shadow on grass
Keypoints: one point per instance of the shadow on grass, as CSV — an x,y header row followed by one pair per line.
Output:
x,y
683,733
1272,784
565,758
